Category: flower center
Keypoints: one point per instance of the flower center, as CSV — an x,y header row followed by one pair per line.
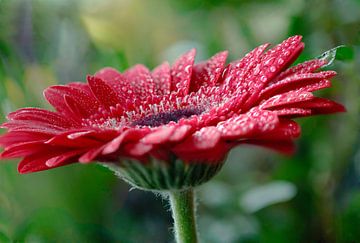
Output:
x,y
163,118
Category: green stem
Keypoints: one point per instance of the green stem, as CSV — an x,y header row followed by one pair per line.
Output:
x,y
183,211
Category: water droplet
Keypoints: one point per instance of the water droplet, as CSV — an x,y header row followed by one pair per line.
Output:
x,y
263,78
329,56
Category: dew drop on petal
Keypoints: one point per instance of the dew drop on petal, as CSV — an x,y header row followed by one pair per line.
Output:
x,y
329,56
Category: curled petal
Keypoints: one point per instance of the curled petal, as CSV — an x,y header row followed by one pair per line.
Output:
x,y
55,96
103,92
162,79
207,73
205,138
141,81
302,68
181,72
310,82
286,99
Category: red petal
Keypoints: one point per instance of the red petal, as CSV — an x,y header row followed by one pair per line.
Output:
x,y
159,136
286,100
40,115
63,158
248,125
90,155
216,154
109,75
103,92
23,149
293,112
180,133
205,138
284,147
305,67
120,85
273,62
234,74
37,162
128,135
11,138
322,106
305,82
141,81
162,79
33,164
181,72
137,149
55,96
208,72
63,140
285,130
36,127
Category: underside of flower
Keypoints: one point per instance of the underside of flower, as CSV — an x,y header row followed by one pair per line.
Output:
x,y
192,112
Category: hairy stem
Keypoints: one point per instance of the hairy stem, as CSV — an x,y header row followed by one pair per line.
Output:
x,y
183,211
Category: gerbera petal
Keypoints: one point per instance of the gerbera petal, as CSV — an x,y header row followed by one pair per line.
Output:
x,y
141,81
206,156
272,63
322,106
285,130
37,161
286,99
207,73
109,75
128,135
79,142
159,136
63,158
305,67
22,149
205,138
90,155
119,84
103,92
55,96
247,125
286,147
234,74
309,81
162,79
292,112
12,138
33,164
138,149
36,127
181,72
41,115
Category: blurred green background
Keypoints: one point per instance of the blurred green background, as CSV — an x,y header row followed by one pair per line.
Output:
x,y
259,196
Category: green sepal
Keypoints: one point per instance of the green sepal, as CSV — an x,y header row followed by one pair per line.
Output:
x,y
158,175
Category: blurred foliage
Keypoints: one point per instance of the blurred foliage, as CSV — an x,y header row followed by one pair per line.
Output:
x,y
259,196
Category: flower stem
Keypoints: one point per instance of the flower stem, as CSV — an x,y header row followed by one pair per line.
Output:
x,y
183,211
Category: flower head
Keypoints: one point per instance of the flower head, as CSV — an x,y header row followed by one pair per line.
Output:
x,y
191,112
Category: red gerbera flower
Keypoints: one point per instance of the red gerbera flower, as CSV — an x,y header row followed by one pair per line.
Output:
x,y
192,112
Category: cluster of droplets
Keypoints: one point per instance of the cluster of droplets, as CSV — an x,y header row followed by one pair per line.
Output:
x,y
158,107
235,91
